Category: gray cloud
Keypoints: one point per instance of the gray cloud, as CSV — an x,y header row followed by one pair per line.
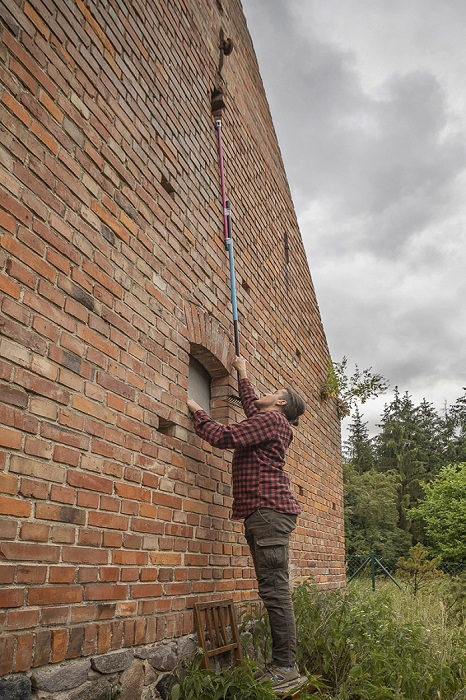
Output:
x,y
369,107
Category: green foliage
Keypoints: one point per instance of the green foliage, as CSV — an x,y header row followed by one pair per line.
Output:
x,y
454,597
192,682
417,570
399,448
254,629
364,645
371,515
413,443
443,512
369,646
360,386
454,432
358,449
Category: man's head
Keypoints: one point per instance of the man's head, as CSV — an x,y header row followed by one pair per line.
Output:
x,y
284,400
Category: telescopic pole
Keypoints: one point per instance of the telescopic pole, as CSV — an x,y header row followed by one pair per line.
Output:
x,y
228,235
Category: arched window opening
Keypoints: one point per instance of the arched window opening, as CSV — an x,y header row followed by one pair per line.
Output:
x,y
199,384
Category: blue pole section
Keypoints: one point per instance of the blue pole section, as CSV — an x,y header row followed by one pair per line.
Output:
x,y
229,246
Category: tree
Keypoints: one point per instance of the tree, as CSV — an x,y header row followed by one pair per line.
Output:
x,y
371,516
358,448
398,449
417,569
347,389
443,512
454,432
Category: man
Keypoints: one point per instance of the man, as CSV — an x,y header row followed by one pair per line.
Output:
x,y
262,496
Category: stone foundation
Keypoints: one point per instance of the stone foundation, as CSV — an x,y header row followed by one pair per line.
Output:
x,y
128,674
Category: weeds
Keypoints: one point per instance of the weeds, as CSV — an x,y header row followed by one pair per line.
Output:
x,y
387,645
364,645
232,683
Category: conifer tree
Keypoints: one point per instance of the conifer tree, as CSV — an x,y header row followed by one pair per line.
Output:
x,y
358,447
399,448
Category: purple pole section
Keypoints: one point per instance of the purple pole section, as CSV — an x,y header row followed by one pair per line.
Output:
x,y
218,124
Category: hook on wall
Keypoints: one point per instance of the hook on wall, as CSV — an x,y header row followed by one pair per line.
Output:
x,y
226,46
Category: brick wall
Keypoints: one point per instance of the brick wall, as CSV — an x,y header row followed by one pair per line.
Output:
x,y
114,515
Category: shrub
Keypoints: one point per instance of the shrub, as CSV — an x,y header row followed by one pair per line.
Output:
x,y
365,649
191,682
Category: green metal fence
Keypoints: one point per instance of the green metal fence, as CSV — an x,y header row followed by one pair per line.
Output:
x,y
375,566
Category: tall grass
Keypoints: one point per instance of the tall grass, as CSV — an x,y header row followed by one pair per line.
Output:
x,y
362,644
382,645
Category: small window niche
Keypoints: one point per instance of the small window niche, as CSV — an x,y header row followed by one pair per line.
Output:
x,y
199,384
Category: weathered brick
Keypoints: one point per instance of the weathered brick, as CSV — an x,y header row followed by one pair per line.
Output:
x,y
62,513
55,595
29,552
105,592
42,470
11,598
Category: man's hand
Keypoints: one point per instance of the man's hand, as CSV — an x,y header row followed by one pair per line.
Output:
x,y
239,364
193,406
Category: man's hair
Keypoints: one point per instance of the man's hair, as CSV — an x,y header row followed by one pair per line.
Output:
x,y
294,407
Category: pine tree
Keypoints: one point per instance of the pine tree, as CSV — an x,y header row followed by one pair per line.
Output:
x,y
454,430
399,448
358,448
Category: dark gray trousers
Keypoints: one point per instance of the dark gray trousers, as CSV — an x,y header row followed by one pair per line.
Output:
x,y
268,536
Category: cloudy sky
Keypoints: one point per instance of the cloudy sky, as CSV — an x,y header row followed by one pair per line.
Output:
x,y
368,99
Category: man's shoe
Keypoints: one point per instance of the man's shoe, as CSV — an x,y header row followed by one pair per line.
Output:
x,y
281,676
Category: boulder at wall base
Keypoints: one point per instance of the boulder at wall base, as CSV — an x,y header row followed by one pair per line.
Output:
x,y
17,688
112,663
132,682
98,690
53,679
163,658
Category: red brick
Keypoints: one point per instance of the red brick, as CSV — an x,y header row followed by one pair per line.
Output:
x,y
36,532
34,489
135,492
112,539
53,595
65,436
29,552
11,598
62,513
14,107
24,652
105,592
8,483
10,287
62,494
62,574
42,649
84,555
90,481
44,387
7,574
104,298
92,538
29,63
28,257
59,645
10,438
114,522
128,557
21,273
146,590
31,574
7,651
23,619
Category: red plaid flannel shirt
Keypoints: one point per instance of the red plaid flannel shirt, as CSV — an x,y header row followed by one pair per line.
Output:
x,y
260,443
